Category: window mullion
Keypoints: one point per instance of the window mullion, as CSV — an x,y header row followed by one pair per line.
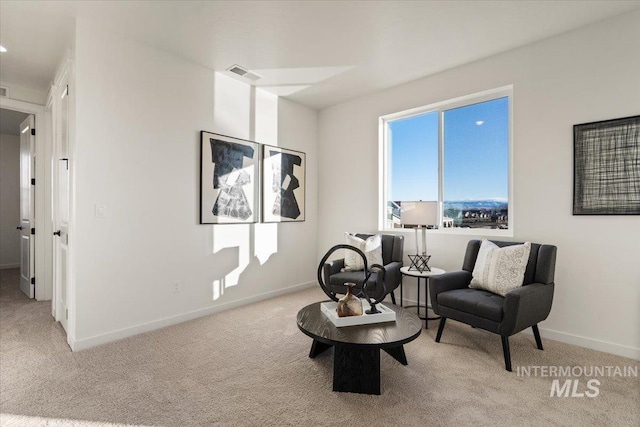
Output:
x,y
440,166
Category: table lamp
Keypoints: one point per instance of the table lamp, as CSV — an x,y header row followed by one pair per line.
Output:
x,y
419,215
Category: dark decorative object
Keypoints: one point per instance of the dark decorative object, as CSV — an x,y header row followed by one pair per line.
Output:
x,y
229,177
349,305
381,272
335,276
283,185
375,268
419,263
606,173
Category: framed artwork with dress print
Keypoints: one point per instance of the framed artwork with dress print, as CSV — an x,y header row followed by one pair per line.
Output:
x,y
229,180
283,184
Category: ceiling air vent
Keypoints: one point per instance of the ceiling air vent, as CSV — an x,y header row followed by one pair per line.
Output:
x,y
4,91
243,72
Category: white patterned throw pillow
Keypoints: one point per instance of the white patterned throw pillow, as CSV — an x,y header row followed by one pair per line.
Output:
x,y
372,248
500,270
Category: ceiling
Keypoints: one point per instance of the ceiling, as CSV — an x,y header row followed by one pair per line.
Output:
x,y
318,53
10,121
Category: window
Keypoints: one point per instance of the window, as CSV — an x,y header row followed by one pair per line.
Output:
x,y
456,153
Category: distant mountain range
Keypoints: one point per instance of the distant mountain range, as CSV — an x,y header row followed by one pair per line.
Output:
x,y
477,204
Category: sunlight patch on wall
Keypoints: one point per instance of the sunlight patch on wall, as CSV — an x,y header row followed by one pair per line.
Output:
x,y
266,117
233,235
231,107
249,113
266,241
266,132
218,289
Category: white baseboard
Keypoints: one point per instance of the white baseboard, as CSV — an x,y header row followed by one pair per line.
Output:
x,y
108,337
594,344
7,266
578,340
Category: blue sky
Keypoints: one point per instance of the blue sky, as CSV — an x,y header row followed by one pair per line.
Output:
x,y
475,155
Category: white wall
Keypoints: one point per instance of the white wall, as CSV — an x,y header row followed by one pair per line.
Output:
x,y
20,93
587,75
139,116
9,201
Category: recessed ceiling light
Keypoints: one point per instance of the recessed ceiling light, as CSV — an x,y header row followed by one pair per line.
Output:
x,y
3,49
480,122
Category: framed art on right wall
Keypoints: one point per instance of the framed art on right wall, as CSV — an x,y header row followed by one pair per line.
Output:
x,y
606,168
283,191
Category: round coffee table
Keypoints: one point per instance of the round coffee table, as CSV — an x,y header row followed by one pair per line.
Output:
x,y
421,275
356,357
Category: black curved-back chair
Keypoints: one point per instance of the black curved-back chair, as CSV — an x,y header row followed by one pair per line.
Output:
x,y
392,251
522,308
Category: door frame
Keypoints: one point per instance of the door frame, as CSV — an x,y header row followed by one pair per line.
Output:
x,y
64,79
43,216
58,91
27,204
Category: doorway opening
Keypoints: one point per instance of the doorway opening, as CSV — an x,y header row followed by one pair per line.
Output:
x,y
26,241
17,174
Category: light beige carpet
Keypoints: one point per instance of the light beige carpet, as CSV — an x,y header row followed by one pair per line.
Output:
x,y
250,366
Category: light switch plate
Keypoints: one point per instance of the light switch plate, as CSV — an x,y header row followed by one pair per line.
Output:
x,y
101,211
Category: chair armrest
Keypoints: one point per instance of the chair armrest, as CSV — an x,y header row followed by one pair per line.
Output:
x,y
393,277
447,282
525,307
332,267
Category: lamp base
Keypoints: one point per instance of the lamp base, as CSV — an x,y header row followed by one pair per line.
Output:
x,y
419,263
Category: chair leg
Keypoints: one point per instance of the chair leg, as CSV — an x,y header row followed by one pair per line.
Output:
x,y
536,333
440,329
393,297
507,353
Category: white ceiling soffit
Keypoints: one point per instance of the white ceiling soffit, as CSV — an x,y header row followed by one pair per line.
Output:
x,y
323,53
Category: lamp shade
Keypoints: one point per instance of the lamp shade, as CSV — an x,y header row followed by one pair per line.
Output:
x,y
419,213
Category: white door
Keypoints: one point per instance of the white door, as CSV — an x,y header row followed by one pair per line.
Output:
x,y
27,208
61,207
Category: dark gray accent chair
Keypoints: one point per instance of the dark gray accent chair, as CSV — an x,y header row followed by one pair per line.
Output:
x,y
522,308
392,250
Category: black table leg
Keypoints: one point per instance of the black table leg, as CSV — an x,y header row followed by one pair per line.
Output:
x,y
397,353
418,310
426,302
318,347
356,370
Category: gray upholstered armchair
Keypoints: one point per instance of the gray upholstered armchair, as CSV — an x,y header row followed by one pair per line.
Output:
x,y
392,250
524,307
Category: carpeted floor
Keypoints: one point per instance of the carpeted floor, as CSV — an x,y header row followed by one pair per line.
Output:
x,y
249,367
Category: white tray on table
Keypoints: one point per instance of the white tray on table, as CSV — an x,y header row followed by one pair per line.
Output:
x,y
385,315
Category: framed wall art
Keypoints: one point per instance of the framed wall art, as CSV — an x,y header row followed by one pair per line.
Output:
x,y
283,185
229,180
606,171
